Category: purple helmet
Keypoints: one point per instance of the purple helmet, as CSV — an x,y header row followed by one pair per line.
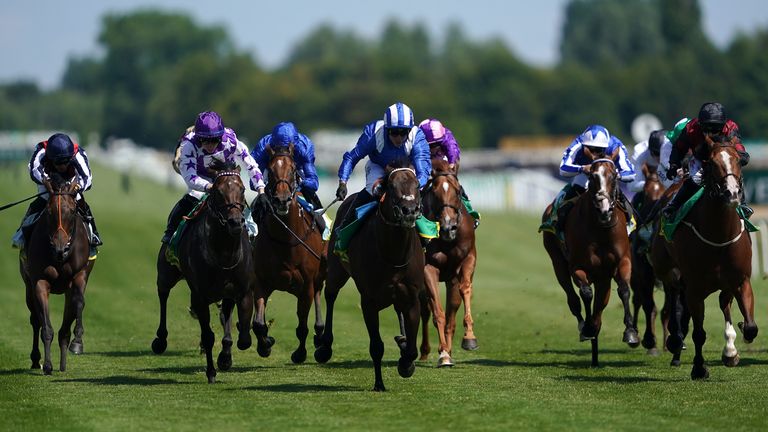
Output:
x,y
398,116
433,130
208,125
59,148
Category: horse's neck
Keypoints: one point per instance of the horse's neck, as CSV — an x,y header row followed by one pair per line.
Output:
x,y
393,242
591,217
294,220
219,242
712,216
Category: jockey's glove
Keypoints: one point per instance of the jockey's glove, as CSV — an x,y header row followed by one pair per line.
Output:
x,y
341,191
672,171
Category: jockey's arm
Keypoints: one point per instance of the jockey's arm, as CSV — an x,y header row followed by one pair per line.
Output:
x,y
568,166
188,167
85,176
307,155
624,165
36,168
365,146
250,165
420,158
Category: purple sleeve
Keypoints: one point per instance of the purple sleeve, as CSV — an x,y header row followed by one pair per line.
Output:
x,y
451,147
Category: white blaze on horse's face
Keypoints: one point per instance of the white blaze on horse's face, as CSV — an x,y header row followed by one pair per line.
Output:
x,y
279,163
605,203
446,186
408,197
731,184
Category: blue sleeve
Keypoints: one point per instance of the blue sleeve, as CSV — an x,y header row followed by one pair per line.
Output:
x,y
568,166
259,153
307,161
420,158
625,167
366,144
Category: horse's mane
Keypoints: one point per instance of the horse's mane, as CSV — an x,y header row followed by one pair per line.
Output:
x,y
219,165
282,151
401,162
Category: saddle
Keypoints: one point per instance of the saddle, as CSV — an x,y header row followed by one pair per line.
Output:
x,y
172,251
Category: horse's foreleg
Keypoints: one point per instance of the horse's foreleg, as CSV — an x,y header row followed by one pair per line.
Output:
x,y
303,304
42,288
336,279
426,312
207,337
65,332
376,345
602,295
730,355
167,276
745,299
560,265
452,304
622,280
319,323
244,315
587,329
696,308
469,341
410,315
264,342
76,346
224,360
34,321
432,283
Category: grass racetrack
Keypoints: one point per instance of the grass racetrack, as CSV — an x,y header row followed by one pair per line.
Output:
x,y
530,371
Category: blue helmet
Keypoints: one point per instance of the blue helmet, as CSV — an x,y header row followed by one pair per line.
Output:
x,y
59,148
398,116
284,134
595,136
208,125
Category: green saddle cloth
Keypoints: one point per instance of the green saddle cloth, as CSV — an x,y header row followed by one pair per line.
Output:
x,y
550,224
172,251
669,226
424,226
474,213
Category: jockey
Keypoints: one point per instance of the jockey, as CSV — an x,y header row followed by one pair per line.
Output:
x,y
650,153
599,141
712,120
384,141
443,145
61,156
209,142
283,135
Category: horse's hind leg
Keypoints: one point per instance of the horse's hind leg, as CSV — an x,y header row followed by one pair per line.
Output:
x,y
224,360
167,277
303,304
622,279
730,355
426,312
469,342
336,279
264,341
207,337
746,301
560,265
319,323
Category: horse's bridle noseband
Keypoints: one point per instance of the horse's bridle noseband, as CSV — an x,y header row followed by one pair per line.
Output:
x,y
600,195
60,227
439,209
220,211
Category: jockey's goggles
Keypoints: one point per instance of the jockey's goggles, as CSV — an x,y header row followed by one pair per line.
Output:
x,y
399,131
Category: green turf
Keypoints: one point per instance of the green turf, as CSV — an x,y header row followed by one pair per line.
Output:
x,y
530,370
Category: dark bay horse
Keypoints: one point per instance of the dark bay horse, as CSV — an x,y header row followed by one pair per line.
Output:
x,y
643,280
215,258
56,263
450,258
289,254
713,252
386,262
596,250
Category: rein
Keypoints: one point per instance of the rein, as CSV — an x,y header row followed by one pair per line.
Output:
x,y
301,242
6,206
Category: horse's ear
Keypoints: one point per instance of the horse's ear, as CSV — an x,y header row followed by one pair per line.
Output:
x,y
615,155
709,141
270,151
646,170
237,168
589,153
48,186
290,149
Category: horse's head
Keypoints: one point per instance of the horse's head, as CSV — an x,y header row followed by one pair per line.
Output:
x,y
722,170
283,178
61,215
653,188
446,204
603,187
226,199
401,203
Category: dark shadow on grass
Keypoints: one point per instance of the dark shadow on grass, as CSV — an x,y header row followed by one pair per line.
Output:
x,y
139,353
21,371
122,380
587,350
302,388
571,364
611,379
358,364
192,370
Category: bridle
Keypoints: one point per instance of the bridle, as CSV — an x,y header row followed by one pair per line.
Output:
x,y
59,219
439,208
398,216
716,186
220,211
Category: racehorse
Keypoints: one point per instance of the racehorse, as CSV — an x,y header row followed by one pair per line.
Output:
x,y
215,259
57,262
714,253
450,258
289,254
596,250
643,279
386,262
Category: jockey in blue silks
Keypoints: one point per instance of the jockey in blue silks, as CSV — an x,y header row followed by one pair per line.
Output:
x,y
600,142
384,141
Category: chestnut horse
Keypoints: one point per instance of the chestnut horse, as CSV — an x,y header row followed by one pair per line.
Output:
x,y
596,250
56,262
450,258
289,254
643,280
215,259
386,262
713,252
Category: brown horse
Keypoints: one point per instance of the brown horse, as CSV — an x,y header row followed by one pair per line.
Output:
x,y
450,258
289,254
596,250
387,264
714,252
643,280
215,259
56,262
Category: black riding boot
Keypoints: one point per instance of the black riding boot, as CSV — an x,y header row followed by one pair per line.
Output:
x,y
744,207
311,197
685,192
35,207
362,198
181,209
567,203
85,211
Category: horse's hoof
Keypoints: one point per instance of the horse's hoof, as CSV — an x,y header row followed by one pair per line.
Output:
x,y
407,370
159,345
653,352
76,348
224,361
675,362
379,387
424,357
318,340
469,344
298,356
264,351
631,339
730,361
401,342
749,333
323,353
47,369
35,366
445,360
212,378
699,373
675,345
244,342
587,332
649,343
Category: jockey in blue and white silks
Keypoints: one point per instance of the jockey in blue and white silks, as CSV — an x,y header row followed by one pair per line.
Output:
x,y
384,141
209,142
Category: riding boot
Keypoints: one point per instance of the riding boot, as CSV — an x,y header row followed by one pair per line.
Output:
x,y
465,198
21,237
567,204
85,211
181,209
685,192
744,207
311,197
362,198
629,209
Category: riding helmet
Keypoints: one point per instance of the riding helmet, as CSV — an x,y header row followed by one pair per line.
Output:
x,y
433,130
59,148
712,113
283,135
208,125
595,136
398,116
655,140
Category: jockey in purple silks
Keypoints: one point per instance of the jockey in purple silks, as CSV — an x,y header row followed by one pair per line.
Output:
x,y
209,142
